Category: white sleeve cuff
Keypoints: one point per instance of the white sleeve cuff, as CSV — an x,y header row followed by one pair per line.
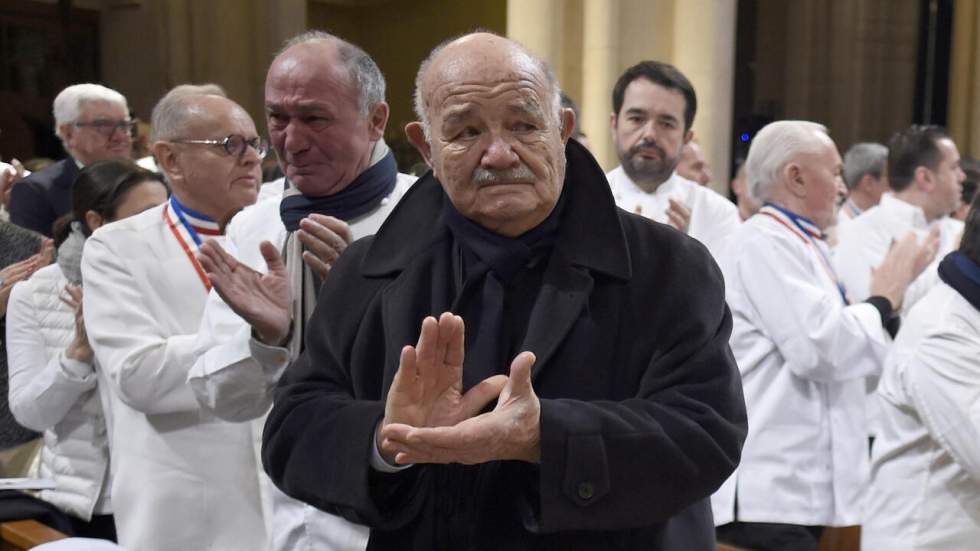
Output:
x,y
74,370
378,462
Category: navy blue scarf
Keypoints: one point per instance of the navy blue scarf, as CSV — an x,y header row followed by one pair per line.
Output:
x,y
962,274
489,263
359,198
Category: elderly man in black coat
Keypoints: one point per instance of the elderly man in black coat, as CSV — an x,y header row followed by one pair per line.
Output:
x,y
590,402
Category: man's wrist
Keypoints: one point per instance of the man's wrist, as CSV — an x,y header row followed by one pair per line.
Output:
x,y
280,338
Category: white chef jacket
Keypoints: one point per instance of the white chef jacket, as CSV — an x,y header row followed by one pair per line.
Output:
x,y
235,377
713,217
804,357
864,241
925,474
180,480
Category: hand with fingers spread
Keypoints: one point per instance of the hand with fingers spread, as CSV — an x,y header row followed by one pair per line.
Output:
x,y
324,238
19,271
78,349
927,251
678,215
427,390
262,300
510,432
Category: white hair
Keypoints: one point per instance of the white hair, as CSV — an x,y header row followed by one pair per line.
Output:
x,y
68,103
421,104
773,147
862,159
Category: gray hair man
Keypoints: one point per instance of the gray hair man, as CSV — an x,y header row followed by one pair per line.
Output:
x,y
864,175
804,349
180,479
515,232
326,115
93,124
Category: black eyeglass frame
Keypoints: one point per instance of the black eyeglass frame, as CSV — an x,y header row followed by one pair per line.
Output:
x,y
108,128
235,144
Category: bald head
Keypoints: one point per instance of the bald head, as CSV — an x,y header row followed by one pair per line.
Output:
x,y
481,57
498,131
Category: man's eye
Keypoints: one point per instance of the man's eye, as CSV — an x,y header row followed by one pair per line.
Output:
x,y
278,119
668,124
525,127
468,132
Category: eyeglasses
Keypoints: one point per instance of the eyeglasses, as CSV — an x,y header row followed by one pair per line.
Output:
x,y
235,145
108,128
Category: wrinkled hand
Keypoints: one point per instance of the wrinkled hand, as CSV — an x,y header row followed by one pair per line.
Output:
x,y
19,271
427,388
511,431
324,238
262,300
678,215
7,180
79,348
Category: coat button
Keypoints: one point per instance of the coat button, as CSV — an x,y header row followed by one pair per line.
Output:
x,y
586,490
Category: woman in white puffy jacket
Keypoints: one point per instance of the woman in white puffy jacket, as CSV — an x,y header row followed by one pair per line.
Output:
x,y
52,377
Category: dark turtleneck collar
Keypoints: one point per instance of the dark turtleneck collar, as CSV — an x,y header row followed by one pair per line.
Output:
x,y
589,233
962,274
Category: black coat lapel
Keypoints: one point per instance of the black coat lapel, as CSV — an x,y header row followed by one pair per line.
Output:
x,y
564,292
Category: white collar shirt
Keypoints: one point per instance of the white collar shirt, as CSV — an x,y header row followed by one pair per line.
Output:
x,y
864,241
925,475
804,357
713,217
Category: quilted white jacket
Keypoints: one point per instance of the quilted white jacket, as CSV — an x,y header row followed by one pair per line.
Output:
x,y
56,395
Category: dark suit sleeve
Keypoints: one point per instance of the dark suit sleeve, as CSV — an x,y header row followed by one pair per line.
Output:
x,y
609,465
319,434
29,207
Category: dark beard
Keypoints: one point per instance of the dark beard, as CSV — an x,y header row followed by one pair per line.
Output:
x,y
647,172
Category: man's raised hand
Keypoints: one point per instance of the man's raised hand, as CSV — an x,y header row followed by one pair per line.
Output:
x,y
510,432
427,390
262,300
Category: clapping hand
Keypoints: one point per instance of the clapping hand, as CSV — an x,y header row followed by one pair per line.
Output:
x,y
324,238
262,300
429,420
678,215
79,348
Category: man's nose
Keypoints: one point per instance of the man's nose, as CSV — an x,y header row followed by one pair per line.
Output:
x,y
841,188
499,155
296,139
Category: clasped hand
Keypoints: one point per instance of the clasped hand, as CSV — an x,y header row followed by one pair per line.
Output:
x,y
428,418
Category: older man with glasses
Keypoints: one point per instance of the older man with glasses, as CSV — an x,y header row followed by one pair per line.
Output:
x,y
93,124
180,479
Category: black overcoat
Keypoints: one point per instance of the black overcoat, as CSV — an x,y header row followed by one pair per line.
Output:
x,y
642,415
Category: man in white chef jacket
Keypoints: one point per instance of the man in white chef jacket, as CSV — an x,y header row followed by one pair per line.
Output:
x,y
926,186
340,184
653,110
803,348
180,481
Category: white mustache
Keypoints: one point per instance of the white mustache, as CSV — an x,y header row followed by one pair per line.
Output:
x,y
489,176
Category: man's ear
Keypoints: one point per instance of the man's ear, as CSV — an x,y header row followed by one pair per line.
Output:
x,y
794,180
613,121
924,179
166,158
688,136
416,136
377,120
567,121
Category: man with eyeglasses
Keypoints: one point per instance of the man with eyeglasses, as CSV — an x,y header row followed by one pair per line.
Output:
x,y
326,109
181,480
93,124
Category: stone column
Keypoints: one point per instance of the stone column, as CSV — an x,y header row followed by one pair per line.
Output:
x,y
704,50
964,90
600,67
